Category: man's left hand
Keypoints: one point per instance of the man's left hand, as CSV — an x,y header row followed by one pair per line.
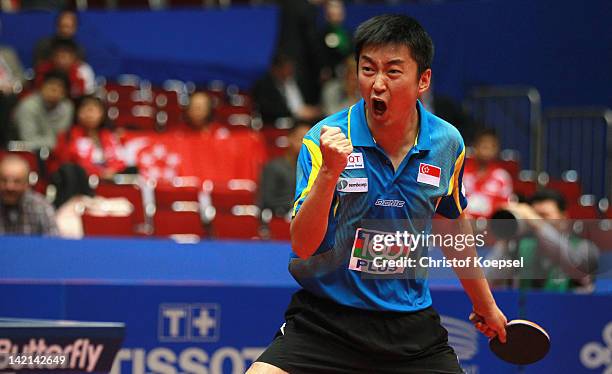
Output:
x,y
491,322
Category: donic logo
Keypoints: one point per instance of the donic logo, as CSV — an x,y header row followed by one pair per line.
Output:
x,y
392,203
342,184
594,355
462,336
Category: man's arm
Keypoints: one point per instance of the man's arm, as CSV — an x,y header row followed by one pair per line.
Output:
x,y
309,226
486,316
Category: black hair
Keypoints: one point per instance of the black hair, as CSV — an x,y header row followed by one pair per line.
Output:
x,y
106,123
59,76
484,132
549,195
65,44
85,99
396,29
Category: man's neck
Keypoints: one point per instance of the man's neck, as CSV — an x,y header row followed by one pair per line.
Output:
x,y
396,139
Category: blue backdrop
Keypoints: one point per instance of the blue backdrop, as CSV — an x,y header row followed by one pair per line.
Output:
x,y
233,45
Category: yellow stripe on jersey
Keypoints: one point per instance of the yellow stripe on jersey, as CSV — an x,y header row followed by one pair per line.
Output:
x,y
453,186
348,131
316,162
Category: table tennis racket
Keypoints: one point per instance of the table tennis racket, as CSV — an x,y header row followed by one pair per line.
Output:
x,y
526,343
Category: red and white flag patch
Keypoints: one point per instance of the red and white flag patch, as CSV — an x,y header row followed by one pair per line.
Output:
x,y
429,174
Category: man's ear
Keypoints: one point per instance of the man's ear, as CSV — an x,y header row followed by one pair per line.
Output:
x,y
424,81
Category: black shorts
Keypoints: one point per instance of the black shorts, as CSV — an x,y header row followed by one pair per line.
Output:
x,y
322,336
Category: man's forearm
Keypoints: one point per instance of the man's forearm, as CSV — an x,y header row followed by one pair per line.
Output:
x,y
310,224
471,277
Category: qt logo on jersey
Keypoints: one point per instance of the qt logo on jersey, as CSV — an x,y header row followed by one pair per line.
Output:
x,y
355,161
429,174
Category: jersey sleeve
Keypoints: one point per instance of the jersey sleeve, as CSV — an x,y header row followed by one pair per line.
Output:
x,y
454,202
308,164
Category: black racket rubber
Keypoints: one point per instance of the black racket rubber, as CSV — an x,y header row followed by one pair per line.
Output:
x,y
526,343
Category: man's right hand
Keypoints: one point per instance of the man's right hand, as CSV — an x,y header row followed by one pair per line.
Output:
x,y
335,149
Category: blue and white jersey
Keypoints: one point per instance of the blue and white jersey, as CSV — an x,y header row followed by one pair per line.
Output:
x,y
428,181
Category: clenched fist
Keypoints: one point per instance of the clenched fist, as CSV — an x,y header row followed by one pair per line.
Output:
x,y
335,149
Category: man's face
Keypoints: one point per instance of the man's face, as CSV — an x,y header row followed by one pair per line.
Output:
x,y
486,149
334,12
63,59
13,182
67,25
199,109
548,210
53,92
389,83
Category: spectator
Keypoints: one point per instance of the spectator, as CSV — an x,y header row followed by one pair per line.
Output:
x,y
198,115
277,183
11,71
555,259
487,185
90,143
343,91
66,25
22,211
64,57
11,83
41,116
335,40
297,39
278,93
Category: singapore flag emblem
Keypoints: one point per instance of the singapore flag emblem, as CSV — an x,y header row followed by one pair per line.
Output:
x,y
429,174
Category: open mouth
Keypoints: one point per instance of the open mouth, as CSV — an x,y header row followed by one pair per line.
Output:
x,y
379,107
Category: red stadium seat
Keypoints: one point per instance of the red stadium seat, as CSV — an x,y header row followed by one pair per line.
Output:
x,y
169,222
570,190
525,188
108,225
129,191
600,233
117,94
578,211
217,97
169,118
166,195
235,192
227,225
167,100
279,229
276,141
139,117
233,115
